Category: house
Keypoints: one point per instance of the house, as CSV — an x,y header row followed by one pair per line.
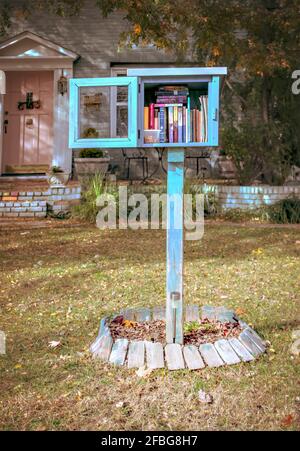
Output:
x,y
39,54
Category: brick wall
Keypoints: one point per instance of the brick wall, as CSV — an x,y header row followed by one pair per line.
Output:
x,y
245,197
36,204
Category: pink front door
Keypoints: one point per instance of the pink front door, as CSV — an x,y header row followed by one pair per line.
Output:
x,y
28,133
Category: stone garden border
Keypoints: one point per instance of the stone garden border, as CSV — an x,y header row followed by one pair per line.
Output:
x,y
136,354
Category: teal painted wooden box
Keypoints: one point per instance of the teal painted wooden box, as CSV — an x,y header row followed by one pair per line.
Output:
x,y
155,107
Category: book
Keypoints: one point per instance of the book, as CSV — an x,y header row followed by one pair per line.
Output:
x,y
188,120
162,125
171,93
151,116
175,125
173,99
146,117
156,112
184,124
170,123
194,125
180,124
167,105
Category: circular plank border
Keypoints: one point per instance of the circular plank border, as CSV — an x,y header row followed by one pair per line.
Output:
x,y
135,354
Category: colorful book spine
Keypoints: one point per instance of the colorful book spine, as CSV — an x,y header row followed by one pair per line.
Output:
x,y
171,99
151,116
188,121
162,125
175,125
180,125
194,126
184,124
146,117
156,114
171,124
198,126
167,105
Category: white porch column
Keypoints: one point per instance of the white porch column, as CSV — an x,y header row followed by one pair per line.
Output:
x,y
62,155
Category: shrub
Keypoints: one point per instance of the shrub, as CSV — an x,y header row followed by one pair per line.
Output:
x,y
91,153
211,204
92,188
286,211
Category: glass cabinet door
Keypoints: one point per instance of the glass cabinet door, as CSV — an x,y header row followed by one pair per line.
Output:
x,y
103,112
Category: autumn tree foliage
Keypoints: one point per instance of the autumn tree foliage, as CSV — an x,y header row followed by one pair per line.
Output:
x,y
258,40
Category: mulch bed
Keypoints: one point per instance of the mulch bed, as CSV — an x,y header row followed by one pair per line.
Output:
x,y
204,331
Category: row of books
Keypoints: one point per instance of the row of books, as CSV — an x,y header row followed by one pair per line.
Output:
x,y
175,122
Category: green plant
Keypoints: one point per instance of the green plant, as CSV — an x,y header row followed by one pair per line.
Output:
x,y
91,153
286,211
56,169
92,188
211,204
191,326
90,132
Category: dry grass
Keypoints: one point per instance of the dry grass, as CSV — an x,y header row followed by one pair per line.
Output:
x,y
56,284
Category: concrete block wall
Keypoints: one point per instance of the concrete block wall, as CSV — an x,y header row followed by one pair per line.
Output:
x,y
247,197
36,204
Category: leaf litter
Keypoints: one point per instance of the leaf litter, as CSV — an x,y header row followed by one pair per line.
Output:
x,y
195,333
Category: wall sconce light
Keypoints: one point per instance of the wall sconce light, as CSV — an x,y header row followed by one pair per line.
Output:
x,y
62,84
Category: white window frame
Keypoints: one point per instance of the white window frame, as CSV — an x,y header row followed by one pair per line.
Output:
x,y
115,72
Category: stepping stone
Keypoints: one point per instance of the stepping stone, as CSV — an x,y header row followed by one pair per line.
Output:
x,y
154,355
249,344
241,350
255,338
159,313
210,355
136,354
226,352
193,358
103,348
118,352
208,312
143,314
191,313
174,357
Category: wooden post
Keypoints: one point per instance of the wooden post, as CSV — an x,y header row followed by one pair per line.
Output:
x,y
174,308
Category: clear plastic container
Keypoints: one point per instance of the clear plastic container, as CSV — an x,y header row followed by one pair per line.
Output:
x,y
151,136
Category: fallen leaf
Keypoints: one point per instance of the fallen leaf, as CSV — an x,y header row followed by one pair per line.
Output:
x,y
120,404
128,324
204,397
287,421
143,372
54,344
118,320
240,311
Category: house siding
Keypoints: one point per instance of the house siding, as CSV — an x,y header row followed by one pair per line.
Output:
x,y
92,36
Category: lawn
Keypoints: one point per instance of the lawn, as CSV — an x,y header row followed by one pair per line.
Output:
x,y
57,283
